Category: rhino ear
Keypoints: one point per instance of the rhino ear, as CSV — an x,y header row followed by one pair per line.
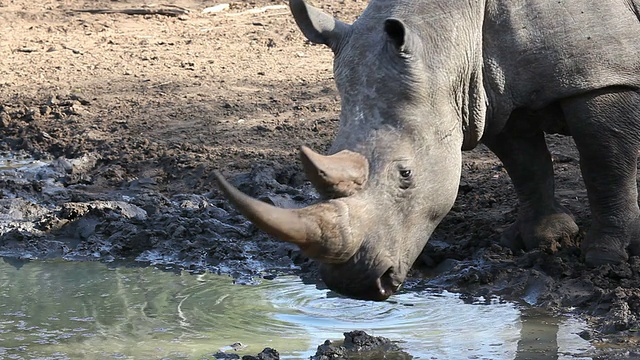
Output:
x,y
318,26
397,33
475,112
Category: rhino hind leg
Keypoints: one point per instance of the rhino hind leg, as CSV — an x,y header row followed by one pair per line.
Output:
x,y
605,125
542,222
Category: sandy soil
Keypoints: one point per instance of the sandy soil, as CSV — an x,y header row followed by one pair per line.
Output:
x,y
134,112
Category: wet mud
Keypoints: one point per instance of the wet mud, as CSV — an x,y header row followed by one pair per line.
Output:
x,y
104,158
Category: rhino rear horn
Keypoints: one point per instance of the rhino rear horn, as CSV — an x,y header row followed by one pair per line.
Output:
x,y
334,176
320,230
317,26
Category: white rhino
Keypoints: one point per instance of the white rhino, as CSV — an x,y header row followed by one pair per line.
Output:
x,y
422,80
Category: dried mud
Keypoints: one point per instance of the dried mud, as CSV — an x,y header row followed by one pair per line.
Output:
x,y
111,126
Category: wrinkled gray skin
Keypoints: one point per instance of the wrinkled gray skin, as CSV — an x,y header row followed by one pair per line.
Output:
x,y
420,81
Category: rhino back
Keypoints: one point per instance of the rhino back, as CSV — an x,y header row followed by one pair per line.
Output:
x,y
537,51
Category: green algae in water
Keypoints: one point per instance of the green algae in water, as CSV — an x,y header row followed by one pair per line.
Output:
x,y
87,310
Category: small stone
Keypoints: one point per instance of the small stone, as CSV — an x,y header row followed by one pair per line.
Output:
x,y
216,8
5,120
45,110
586,334
224,356
27,50
31,114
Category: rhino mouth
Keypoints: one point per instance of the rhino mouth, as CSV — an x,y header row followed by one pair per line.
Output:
x,y
365,285
388,284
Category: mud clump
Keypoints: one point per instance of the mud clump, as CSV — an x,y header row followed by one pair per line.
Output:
x,y
360,345
266,354
357,345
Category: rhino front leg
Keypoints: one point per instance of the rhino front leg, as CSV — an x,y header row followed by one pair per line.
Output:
x,y
542,222
606,128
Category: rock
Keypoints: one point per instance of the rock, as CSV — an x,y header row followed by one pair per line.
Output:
x,y
266,354
328,350
360,343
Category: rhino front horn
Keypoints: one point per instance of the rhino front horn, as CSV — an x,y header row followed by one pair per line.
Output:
x,y
320,230
338,175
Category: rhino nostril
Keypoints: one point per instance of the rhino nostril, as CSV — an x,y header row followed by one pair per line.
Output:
x,y
387,285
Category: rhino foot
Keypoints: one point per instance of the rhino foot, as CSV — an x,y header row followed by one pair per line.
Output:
x,y
611,247
548,232
601,255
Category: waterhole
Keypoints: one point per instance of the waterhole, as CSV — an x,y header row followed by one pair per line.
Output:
x,y
90,310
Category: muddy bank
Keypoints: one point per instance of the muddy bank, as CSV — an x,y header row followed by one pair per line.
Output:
x,y
45,214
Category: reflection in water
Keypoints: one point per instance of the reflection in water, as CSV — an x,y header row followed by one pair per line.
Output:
x,y
548,337
62,310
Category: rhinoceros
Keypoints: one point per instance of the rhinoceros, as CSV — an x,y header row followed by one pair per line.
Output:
x,y
421,81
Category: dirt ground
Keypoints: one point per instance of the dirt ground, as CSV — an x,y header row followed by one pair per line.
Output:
x,y
134,112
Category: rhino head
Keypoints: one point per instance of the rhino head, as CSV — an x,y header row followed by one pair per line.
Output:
x,y
395,164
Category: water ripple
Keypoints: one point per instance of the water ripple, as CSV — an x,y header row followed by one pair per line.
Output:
x,y
87,310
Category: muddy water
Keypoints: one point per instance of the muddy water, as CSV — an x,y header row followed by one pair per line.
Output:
x,y
89,310
9,161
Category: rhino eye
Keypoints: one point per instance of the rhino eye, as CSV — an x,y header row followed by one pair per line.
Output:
x,y
406,178
405,174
